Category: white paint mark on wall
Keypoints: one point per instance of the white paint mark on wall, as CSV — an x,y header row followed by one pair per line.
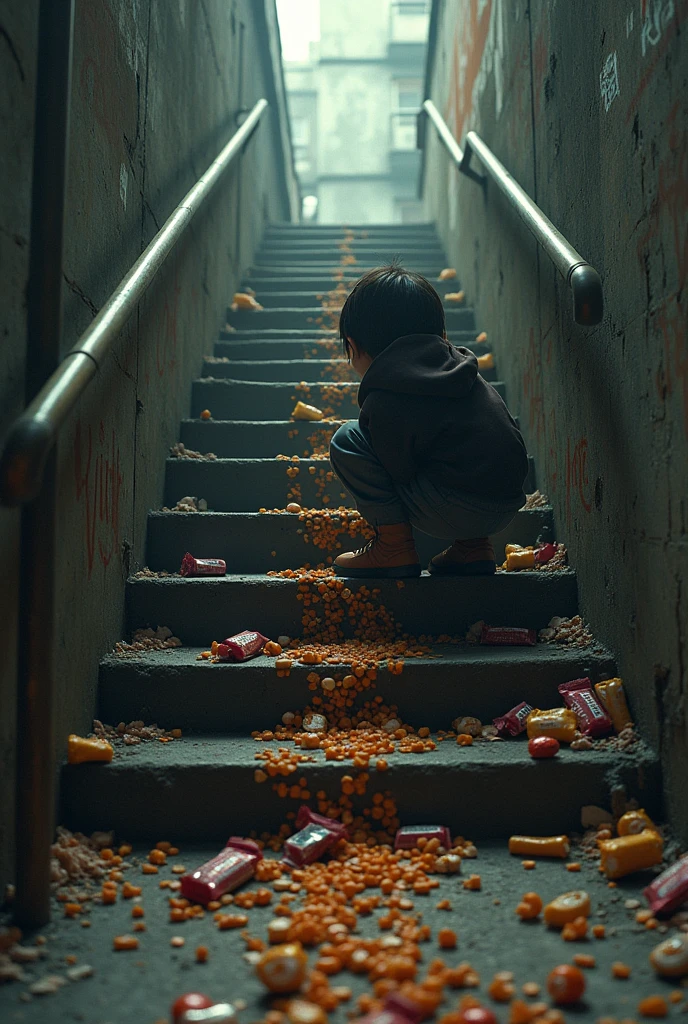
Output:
x,y
629,23
658,14
609,81
123,184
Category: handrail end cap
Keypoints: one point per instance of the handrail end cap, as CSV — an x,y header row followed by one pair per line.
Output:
x,y
588,300
23,460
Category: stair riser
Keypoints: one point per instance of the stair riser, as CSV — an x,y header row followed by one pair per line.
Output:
x,y
319,284
259,401
418,242
306,343
206,698
246,542
297,370
312,319
201,610
245,485
479,801
312,297
333,270
237,439
380,254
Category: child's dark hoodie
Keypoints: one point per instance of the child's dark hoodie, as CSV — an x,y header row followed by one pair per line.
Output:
x,y
426,409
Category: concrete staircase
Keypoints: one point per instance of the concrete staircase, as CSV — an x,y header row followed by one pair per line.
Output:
x,y
202,788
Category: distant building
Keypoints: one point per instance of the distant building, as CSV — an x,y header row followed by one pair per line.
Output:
x,y
353,109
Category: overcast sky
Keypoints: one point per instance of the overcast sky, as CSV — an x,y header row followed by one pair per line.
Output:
x,y
299,25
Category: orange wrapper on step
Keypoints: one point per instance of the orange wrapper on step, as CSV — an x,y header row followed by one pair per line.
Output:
x,y
561,723
486,362
612,695
302,411
86,748
524,558
540,846
626,854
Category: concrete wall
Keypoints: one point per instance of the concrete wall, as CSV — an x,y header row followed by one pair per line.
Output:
x,y
156,87
586,105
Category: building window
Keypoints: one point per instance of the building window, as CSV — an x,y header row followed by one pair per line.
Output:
x,y
300,131
409,22
406,101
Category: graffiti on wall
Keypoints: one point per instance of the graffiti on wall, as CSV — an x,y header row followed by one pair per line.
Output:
x,y
478,56
577,483
98,480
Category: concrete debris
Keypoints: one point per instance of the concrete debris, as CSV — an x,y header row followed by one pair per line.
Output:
x,y
148,639
26,954
133,733
149,574
180,452
10,971
76,858
188,504
80,972
535,500
566,632
48,985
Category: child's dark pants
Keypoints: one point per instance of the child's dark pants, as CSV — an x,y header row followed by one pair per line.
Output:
x,y
437,511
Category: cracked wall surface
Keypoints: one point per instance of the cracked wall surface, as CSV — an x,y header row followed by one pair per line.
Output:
x,y
588,108
155,91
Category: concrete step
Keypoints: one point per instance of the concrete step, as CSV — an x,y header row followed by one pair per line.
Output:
x,y
175,690
334,270
247,484
202,788
298,370
313,230
310,319
307,299
200,610
260,439
421,243
380,253
247,539
257,439
232,399
312,281
309,342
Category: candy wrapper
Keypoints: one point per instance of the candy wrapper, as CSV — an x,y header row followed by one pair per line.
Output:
x,y
593,720
612,696
508,636
227,871
544,553
670,889
561,723
626,854
202,566
317,834
397,1009
540,846
408,836
513,723
242,646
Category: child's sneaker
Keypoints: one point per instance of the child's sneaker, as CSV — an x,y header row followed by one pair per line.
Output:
x,y
391,554
465,558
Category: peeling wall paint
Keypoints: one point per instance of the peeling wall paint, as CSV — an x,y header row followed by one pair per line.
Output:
x,y
593,123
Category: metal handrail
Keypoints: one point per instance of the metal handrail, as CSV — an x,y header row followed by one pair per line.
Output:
x,y
33,434
582,278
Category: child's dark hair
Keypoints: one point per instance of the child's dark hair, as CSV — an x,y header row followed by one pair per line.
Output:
x,y
388,303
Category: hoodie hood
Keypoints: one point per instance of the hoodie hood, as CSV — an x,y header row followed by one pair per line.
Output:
x,y
421,364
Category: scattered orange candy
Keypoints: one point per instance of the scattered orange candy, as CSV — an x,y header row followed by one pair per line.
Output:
x,y
620,970
446,937
124,942
653,1006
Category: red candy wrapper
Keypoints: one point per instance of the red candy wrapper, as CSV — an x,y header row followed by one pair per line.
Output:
x,y
408,836
670,889
242,646
544,553
227,871
508,635
578,695
317,834
513,723
202,566
397,1009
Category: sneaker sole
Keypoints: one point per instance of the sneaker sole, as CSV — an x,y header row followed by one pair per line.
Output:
x,y
394,572
469,569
